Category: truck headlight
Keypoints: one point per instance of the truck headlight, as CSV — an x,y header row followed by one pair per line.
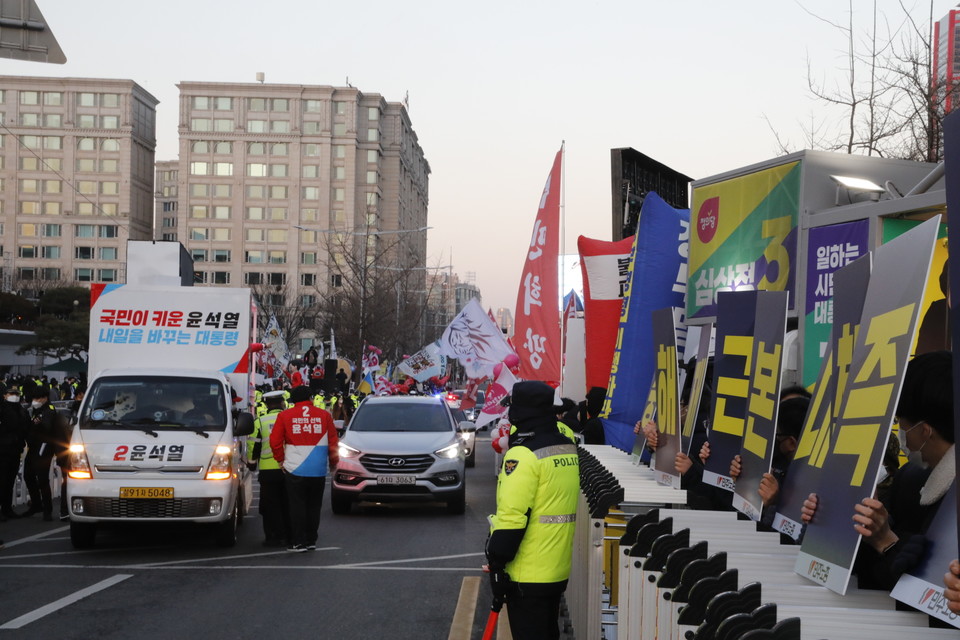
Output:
x,y
220,467
449,451
79,465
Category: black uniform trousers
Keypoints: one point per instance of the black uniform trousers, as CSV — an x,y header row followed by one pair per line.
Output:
x,y
305,496
274,508
9,465
534,610
36,472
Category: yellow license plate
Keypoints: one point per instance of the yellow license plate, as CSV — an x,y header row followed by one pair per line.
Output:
x,y
146,492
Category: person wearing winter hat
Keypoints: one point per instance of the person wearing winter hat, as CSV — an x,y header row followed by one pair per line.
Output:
x,y
531,539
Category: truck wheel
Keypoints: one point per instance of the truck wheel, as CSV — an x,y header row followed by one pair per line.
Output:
x,y
226,532
83,534
457,504
340,504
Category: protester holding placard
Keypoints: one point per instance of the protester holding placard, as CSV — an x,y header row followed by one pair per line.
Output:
x,y
893,531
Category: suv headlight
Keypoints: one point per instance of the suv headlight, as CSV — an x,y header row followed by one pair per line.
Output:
x,y
346,451
450,451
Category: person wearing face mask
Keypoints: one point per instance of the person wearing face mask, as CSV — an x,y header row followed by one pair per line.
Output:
x,y
13,429
44,439
893,530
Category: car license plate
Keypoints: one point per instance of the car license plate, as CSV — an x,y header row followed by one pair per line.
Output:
x,y
146,492
396,479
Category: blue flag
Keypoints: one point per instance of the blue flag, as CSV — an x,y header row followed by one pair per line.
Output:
x,y
658,277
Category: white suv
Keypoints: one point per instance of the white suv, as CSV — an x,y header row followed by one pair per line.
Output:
x,y
401,448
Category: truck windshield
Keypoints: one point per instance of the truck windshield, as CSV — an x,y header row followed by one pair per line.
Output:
x,y
155,403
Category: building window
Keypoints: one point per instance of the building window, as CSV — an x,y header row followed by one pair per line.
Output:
x,y
109,99
313,106
280,149
198,190
108,253
371,177
256,149
279,126
110,188
221,277
340,151
256,126
221,234
277,279
278,192
373,156
308,257
257,191
84,231
83,275
198,211
199,255
110,144
339,194
278,213
224,148
278,170
373,113
257,104
371,198
199,234
52,98
251,277
336,280
201,103
27,251
309,215
223,168
110,122
373,135
223,125
27,273
221,212
87,187
311,193
339,173
311,128
308,279
308,300
254,235
254,213
199,168
201,124
311,171
109,166
50,273
50,230
223,104
277,236
29,97
107,275
256,169
108,231
199,277
278,257
221,255
52,253
340,108
254,256
222,190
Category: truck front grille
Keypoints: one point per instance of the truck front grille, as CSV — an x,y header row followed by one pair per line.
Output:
x,y
146,508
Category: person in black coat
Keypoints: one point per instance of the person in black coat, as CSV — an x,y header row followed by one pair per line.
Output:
x,y
13,430
45,439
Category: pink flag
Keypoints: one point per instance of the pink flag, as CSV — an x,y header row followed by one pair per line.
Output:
x,y
537,312
498,389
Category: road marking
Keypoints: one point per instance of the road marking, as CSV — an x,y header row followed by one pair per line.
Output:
x,y
46,610
249,555
427,559
284,567
14,543
462,626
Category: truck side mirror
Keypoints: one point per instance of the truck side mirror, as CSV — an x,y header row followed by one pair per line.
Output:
x,y
243,425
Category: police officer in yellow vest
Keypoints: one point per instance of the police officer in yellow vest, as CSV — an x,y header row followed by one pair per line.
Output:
x,y
273,496
531,538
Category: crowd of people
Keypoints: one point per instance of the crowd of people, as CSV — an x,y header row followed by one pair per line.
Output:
x,y
894,521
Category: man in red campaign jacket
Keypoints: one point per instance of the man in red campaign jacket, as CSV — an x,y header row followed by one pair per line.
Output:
x,y
304,440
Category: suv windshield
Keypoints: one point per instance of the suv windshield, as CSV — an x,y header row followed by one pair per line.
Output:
x,y
399,416
155,402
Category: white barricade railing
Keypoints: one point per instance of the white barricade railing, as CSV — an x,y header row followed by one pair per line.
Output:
x,y
689,575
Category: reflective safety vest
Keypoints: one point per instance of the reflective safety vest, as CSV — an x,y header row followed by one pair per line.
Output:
x,y
567,431
318,401
258,443
537,492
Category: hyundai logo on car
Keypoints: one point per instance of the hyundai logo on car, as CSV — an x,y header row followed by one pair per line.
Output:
x,y
396,462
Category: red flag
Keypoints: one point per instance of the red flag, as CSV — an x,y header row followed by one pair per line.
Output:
x,y
604,266
537,312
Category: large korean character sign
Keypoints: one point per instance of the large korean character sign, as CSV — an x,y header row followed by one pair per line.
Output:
x,y
881,349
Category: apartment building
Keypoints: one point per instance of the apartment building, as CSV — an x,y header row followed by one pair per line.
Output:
x,y
165,214
279,187
76,178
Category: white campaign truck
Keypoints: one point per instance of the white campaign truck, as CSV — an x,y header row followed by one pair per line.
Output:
x,y
160,434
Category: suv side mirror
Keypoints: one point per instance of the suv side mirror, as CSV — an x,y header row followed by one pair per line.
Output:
x,y
466,426
243,426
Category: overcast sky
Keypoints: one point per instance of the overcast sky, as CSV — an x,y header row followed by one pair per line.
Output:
x,y
495,87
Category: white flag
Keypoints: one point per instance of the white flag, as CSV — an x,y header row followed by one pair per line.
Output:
x,y
498,389
275,342
475,340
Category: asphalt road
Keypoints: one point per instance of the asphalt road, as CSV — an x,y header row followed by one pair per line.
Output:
x,y
383,572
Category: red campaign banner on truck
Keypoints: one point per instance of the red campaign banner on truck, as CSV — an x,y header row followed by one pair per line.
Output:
x,y
606,272
537,312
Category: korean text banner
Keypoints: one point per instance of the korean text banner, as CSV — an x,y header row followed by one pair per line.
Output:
x,y
605,267
731,380
881,349
760,427
538,312
828,249
850,288
657,280
744,236
186,327
668,397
